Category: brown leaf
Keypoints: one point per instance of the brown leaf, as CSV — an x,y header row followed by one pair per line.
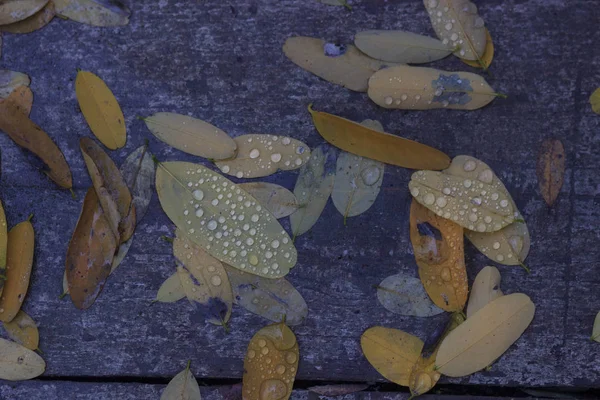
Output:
x,y
23,96
551,169
90,253
33,23
111,189
28,135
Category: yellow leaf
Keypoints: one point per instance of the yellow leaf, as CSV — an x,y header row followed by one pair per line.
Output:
x,y
595,101
392,352
366,142
270,364
18,363
182,387
171,290
12,11
486,288
23,330
485,60
278,200
94,12
596,329
101,110
10,80
400,46
485,336
32,23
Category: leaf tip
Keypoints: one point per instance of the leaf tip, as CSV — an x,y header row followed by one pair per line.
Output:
x,y
73,195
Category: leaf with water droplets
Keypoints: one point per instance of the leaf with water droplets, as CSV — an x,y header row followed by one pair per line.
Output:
x,y
182,387
270,364
206,206
12,11
551,169
595,101
439,251
357,180
367,142
486,59
19,259
392,352
171,290
339,64
101,110
457,24
24,132
18,363
191,135
203,279
3,246
401,46
33,23
486,288
405,295
485,336
23,98
263,155
313,188
338,390
274,299
420,88
94,12
23,330
278,200
90,253
10,80
596,329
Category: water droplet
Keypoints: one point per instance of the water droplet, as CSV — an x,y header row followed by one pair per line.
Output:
x,y
467,183
446,191
199,212
280,369
445,103
446,275
251,354
473,217
254,153
249,241
262,342
191,230
300,150
454,37
388,100
215,280
275,157
429,199
198,194
275,244
433,3
414,192
225,169
441,202
516,242
500,257
496,245
448,26
272,389
298,161
214,202
481,227
254,218
239,174
504,203
470,166
476,201
486,176
290,358
212,225
253,259
370,175
286,141
265,351
479,22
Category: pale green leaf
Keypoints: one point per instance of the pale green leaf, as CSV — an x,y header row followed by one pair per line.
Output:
x,y
596,329
94,12
313,188
205,205
278,200
595,101
401,46
18,363
10,80
171,290
405,295
182,387
486,288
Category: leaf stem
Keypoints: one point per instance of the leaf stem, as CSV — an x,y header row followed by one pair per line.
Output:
x,y
63,295
167,238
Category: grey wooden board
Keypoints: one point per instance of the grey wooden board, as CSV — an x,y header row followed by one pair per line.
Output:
x,y
222,62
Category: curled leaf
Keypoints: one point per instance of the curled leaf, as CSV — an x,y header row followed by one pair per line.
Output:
x,y
199,202
101,110
420,88
486,288
551,169
278,200
439,252
182,387
263,155
191,135
10,80
486,59
94,12
171,290
485,336
19,261
33,23
18,363
313,188
367,142
90,253
596,329
23,330
273,299
405,295
12,11
270,364
401,47
339,64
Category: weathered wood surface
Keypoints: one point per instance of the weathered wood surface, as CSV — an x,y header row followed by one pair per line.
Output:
x,y
222,62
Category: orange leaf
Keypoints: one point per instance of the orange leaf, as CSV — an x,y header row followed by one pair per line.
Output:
x,y
551,169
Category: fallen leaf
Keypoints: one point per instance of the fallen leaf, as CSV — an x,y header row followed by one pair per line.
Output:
x,y
401,46
405,295
182,387
18,363
110,187
486,288
19,261
595,101
203,279
336,3
23,330
392,352
457,23
273,299
275,198
34,22
339,64
3,246
171,290
485,336
101,110
10,80
313,188
551,169
263,155
23,97
270,364
28,135
338,390
94,12
485,60
439,251
12,11
90,253
596,329
199,202
357,180
366,142
420,88
191,135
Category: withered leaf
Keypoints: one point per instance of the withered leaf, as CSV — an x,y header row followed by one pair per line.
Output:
x,y
270,364
94,12
182,387
18,363
23,97
28,135
439,251
23,330
90,253
33,23
12,11
551,169
278,200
